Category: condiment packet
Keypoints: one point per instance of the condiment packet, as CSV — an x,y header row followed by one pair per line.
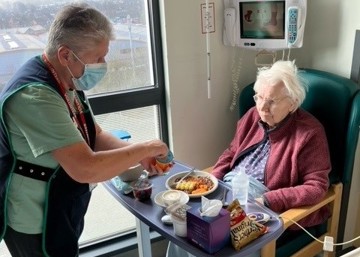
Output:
x,y
122,186
177,211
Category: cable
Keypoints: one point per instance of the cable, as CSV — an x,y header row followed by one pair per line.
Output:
x,y
322,242
288,57
293,221
235,74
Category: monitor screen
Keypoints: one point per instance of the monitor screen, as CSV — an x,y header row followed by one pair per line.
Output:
x,y
262,19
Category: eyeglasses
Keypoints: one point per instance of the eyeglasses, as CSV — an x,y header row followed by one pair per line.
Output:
x,y
258,99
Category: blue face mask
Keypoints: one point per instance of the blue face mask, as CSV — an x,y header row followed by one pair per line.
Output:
x,y
92,75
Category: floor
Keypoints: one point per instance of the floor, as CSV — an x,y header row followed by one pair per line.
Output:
x,y
158,250
3,250
102,209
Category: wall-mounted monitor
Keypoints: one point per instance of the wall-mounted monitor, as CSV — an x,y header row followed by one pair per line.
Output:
x,y
264,24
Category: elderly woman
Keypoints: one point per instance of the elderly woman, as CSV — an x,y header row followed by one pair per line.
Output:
x,y
280,144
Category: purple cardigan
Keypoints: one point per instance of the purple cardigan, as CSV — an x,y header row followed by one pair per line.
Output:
x,y
298,166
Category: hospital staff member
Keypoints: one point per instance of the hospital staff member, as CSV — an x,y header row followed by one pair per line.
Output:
x,y
52,150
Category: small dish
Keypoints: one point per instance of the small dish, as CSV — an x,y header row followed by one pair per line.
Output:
x,y
159,200
133,173
170,197
260,217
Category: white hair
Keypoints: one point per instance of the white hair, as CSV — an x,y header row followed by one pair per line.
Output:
x,y
287,73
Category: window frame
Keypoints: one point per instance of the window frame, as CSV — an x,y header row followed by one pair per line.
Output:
x,y
147,96
130,99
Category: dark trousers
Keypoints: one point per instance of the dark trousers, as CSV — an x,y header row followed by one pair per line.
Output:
x,y
23,245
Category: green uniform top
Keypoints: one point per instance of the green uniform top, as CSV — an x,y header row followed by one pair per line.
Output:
x,y
38,122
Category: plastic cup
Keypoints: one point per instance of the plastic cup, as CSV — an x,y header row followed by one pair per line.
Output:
x,y
180,226
165,163
142,189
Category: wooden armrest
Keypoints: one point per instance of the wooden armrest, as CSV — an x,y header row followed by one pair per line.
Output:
x,y
297,214
209,169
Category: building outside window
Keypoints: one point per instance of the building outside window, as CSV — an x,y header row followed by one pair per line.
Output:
x,y
131,97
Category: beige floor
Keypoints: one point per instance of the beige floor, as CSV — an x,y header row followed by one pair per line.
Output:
x,y
3,250
158,250
105,216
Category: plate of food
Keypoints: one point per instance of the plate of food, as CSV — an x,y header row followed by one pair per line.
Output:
x,y
196,184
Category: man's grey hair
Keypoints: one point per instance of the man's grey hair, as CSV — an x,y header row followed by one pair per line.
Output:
x,y
79,27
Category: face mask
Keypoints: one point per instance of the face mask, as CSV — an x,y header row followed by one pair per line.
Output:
x,y
92,75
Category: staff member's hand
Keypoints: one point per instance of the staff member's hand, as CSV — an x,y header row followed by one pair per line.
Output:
x,y
160,150
150,165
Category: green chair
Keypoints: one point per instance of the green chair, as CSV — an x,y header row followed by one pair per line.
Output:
x,y
335,102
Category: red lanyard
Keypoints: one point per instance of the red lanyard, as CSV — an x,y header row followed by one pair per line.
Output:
x,y
81,124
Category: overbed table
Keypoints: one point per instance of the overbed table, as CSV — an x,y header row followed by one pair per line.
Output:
x,y
148,214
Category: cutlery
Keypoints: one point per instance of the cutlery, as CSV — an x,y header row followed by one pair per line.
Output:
x,y
223,199
186,175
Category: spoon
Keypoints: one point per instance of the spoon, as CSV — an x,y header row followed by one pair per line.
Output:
x,y
223,199
166,219
186,175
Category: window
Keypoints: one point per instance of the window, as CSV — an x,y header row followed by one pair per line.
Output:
x,y
131,97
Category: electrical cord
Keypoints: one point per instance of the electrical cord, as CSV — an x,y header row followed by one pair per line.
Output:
x,y
235,75
322,242
289,51
326,243
288,55
236,67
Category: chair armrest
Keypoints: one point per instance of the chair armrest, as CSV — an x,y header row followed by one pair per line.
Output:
x,y
209,169
297,214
